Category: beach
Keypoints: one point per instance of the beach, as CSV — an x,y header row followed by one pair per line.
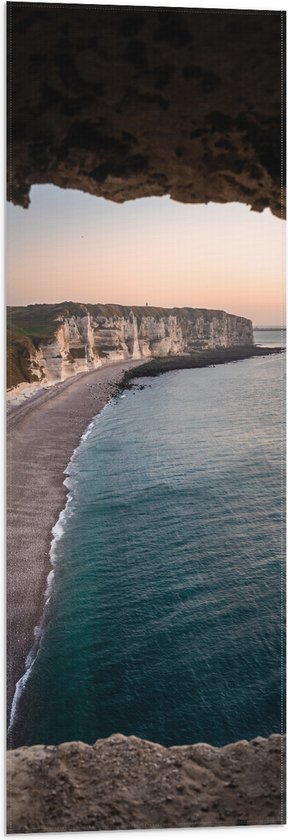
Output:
x,y
42,434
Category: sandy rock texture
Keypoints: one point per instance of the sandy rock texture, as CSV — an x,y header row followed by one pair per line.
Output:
x,y
125,783
124,103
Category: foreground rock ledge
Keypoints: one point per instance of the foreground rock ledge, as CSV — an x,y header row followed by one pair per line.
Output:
x,y
125,783
127,103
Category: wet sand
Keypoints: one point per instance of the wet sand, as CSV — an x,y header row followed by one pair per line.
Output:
x,y
42,434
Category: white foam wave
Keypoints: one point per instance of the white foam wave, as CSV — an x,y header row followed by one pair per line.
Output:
x,y
49,586
59,529
57,533
97,417
20,685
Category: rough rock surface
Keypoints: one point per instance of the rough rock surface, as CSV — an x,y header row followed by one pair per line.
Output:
x,y
124,103
124,782
82,337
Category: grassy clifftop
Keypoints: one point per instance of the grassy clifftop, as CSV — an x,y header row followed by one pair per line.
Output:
x,y
26,326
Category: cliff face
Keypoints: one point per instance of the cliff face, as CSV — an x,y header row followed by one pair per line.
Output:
x,y
126,783
81,338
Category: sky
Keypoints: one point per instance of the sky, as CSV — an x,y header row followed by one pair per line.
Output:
x,y
72,246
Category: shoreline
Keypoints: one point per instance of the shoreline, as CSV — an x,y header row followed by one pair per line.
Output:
x,y
43,434
199,359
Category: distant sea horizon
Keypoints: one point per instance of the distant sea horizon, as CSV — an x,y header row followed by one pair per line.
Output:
x,y
269,327
270,336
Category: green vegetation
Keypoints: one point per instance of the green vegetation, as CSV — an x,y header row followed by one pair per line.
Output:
x,y
19,351
26,327
39,321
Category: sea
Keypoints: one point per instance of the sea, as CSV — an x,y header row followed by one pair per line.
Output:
x,y
165,609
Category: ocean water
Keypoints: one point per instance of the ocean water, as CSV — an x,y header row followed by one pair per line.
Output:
x,y
164,616
270,337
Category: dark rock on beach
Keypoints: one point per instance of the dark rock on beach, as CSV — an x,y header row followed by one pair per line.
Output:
x,y
198,359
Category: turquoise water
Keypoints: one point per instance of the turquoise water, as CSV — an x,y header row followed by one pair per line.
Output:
x,y
165,607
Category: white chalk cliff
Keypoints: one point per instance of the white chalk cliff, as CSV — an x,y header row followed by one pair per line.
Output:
x,y
89,336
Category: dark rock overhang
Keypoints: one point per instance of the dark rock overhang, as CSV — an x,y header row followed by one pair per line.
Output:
x,y
129,102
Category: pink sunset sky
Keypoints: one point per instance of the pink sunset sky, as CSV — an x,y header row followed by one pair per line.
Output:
x,y
72,246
